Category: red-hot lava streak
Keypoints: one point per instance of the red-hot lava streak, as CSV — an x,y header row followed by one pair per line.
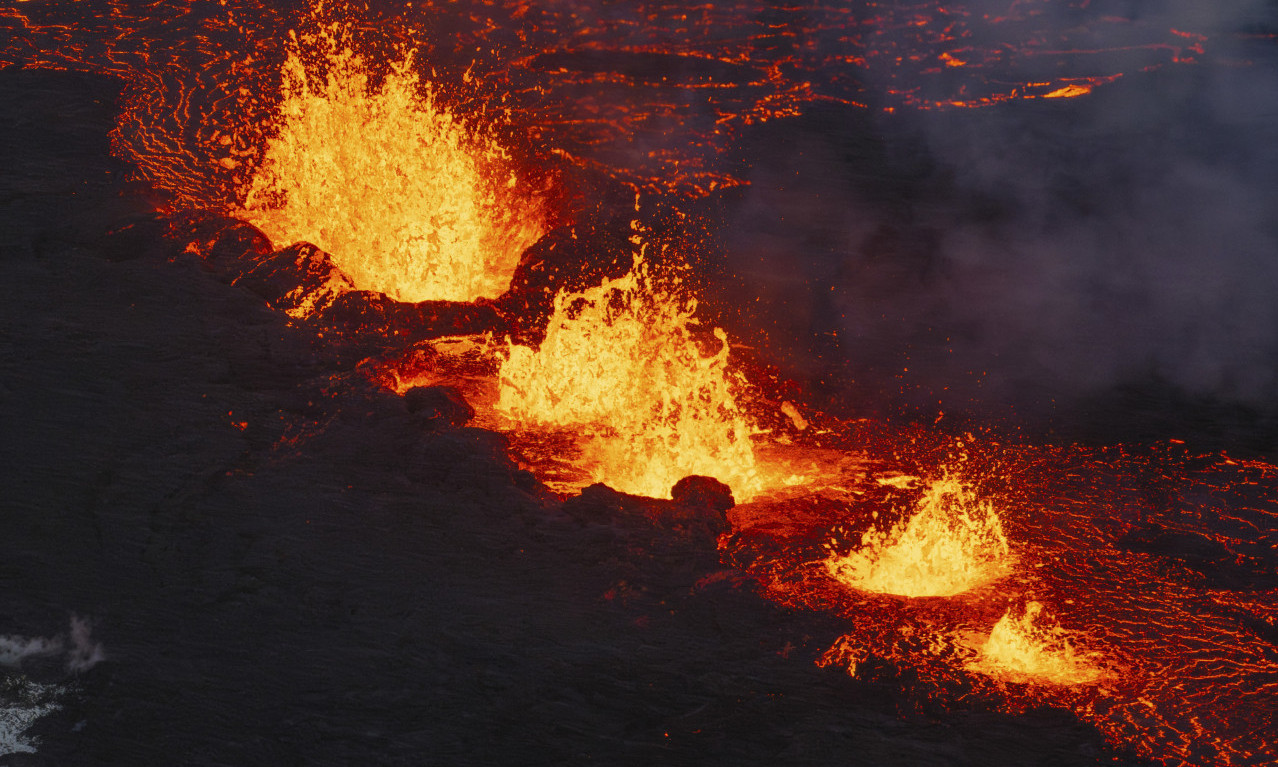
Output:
x,y
1134,591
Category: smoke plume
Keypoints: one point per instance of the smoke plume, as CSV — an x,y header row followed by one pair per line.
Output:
x,y
1047,252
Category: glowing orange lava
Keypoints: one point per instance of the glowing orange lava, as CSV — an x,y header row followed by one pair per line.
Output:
x,y
624,361
410,200
952,543
1031,648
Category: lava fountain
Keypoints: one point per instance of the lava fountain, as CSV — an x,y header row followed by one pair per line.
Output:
x,y
952,543
1031,647
624,362
410,199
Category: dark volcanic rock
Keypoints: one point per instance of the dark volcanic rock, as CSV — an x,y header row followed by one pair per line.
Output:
x,y
218,239
570,258
703,492
599,503
142,237
439,406
284,278
236,240
221,241
370,313
696,515
463,459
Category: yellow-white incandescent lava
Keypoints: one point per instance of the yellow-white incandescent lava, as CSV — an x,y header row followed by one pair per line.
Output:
x,y
622,361
409,199
953,542
1032,648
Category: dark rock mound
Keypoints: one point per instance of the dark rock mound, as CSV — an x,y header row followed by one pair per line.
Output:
x,y
439,407
697,492
465,459
371,313
698,515
216,239
570,258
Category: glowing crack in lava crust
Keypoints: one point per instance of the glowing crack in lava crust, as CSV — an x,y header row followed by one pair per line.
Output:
x,y
410,200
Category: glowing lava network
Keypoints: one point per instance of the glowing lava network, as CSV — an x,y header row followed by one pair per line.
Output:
x,y
1029,576
651,92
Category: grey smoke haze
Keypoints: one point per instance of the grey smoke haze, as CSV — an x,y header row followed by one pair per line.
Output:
x,y
1045,251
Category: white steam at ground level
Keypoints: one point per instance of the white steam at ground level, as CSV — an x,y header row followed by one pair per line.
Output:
x,y
24,700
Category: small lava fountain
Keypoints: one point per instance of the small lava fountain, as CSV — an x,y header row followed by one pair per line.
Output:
x,y
1032,648
410,199
952,543
624,361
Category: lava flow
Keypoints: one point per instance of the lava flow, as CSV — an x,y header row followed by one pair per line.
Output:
x,y
651,93
1147,602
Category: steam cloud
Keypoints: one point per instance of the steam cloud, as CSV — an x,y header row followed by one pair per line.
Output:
x,y
81,652
1049,250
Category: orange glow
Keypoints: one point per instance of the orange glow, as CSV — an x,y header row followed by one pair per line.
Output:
x,y
624,362
845,653
467,362
1032,648
1068,92
952,543
1078,87
409,199
319,293
1185,664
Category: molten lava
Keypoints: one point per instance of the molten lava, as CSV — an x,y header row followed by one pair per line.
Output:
x,y
1031,648
952,543
625,362
411,200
